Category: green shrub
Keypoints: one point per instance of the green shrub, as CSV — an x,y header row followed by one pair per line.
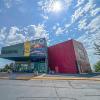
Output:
x,y
97,66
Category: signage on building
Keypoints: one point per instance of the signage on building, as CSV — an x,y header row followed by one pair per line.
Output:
x,y
27,48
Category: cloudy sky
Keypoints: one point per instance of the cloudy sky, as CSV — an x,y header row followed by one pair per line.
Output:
x,y
56,20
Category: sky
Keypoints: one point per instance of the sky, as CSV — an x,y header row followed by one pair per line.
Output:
x,y
56,20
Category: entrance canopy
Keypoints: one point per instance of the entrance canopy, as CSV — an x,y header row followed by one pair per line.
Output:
x,y
33,59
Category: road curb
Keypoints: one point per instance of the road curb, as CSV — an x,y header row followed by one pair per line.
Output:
x,y
50,78
23,78
64,78
4,77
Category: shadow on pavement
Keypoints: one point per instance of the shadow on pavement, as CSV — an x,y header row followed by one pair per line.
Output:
x,y
76,75
28,76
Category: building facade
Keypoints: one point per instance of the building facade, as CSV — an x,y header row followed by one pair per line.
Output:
x,y
29,56
66,57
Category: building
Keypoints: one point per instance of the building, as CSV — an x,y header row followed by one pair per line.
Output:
x,y
67,57
29,56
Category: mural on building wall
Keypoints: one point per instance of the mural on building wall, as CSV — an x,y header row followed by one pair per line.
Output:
x,y
27,48
82,57
38,47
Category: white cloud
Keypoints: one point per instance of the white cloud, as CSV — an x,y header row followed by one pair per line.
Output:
x,y
37,31
83,11
2,34
59,31
10,3
40,31
82,24
80,2
78,13
89,6
95,12
15,35
94,25
45,17
67,25
67,4
54,27
7,3
47,5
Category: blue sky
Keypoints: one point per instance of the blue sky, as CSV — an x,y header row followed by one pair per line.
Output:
x,y
56,20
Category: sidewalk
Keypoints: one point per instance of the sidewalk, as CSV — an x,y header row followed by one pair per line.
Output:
x,y
30,76
64,78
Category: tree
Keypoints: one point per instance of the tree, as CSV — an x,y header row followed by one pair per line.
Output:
x,y
97,52
0,69
97,48
11,66
5,69
97,66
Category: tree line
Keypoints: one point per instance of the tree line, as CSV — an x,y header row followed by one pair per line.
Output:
x,y
7,68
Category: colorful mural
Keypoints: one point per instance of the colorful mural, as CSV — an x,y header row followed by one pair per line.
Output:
x,y
38,47
27,48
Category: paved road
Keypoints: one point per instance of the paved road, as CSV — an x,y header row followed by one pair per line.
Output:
x,y
49,90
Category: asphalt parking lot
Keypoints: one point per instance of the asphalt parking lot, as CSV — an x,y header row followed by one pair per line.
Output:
x,y
49,90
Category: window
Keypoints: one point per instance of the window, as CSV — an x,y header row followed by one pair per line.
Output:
x,y
9,51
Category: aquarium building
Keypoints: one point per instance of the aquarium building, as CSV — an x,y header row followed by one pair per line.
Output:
x,y
66,57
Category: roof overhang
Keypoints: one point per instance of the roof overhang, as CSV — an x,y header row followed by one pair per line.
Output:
x,y
25,58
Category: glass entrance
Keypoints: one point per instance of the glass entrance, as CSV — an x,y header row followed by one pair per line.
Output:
x,y
23,67
40,67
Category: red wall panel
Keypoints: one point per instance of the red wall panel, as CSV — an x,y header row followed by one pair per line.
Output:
x,y
62,58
